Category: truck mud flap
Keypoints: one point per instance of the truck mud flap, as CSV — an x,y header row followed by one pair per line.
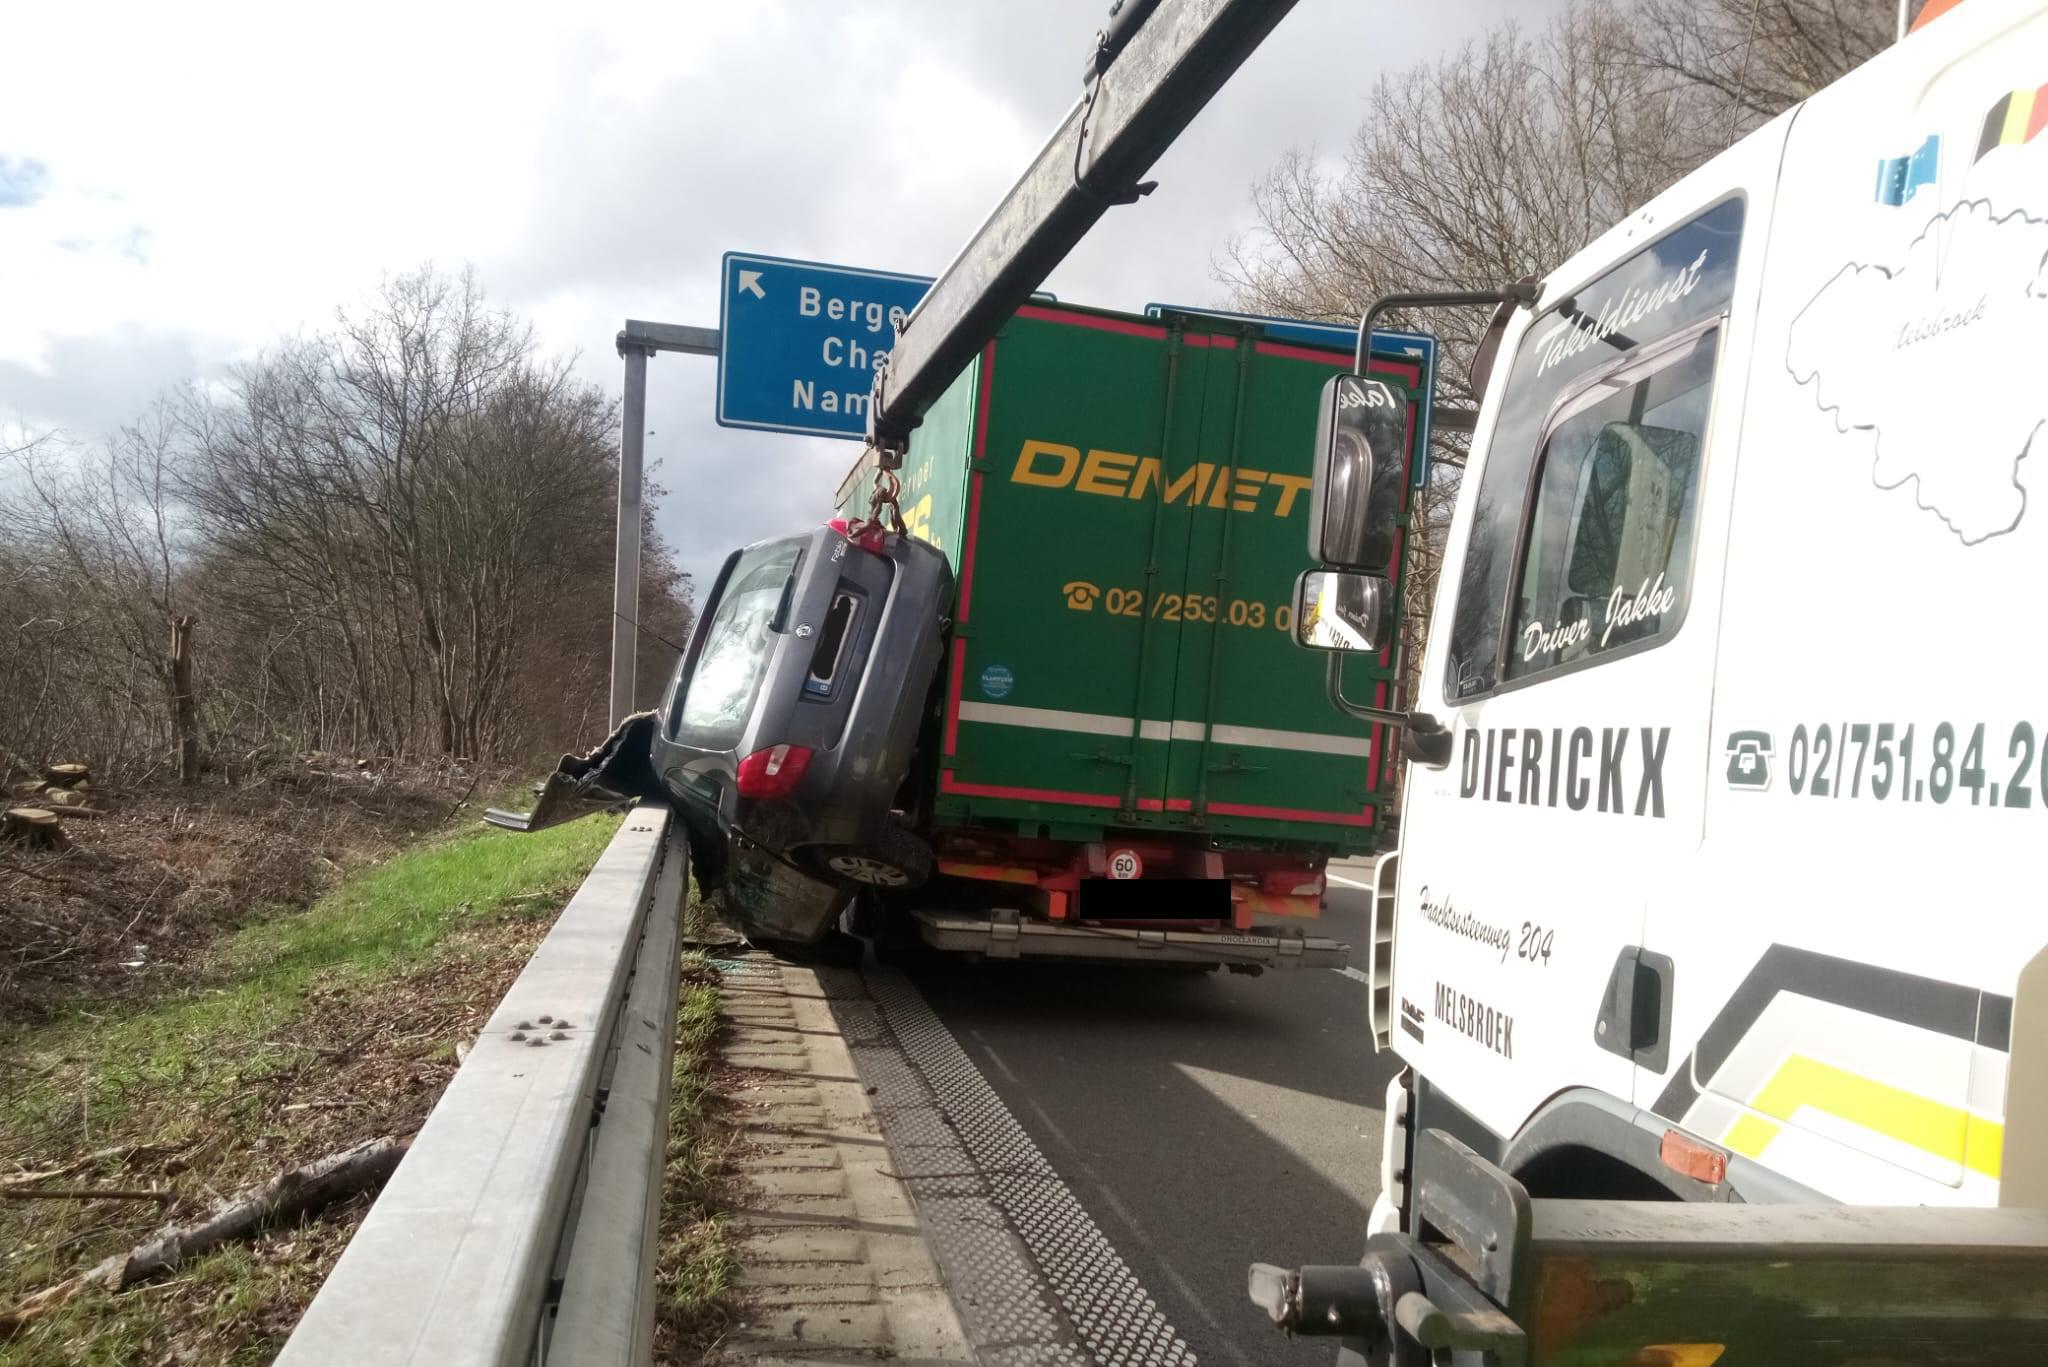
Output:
x,y
1020,939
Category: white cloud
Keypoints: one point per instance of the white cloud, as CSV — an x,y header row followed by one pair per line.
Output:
x,y
227,175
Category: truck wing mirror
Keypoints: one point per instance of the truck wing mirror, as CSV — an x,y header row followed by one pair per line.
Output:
x,y
1517,295
1355,504
1343,610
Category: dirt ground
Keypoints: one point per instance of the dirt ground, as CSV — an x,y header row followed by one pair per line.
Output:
x,y
148,884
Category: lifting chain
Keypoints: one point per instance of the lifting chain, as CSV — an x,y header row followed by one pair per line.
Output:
x,y
884,516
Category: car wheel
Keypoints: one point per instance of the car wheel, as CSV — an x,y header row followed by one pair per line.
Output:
x,y
898,860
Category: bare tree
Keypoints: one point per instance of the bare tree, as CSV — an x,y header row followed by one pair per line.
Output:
x,y
425,491
1505,158
1739,63
99,557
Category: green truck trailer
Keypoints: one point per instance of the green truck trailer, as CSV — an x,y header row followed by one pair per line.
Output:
x,y
1131,756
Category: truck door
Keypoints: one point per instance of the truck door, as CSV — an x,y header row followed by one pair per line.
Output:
x,y
1850,1027
1086,436
1575,672
1257,749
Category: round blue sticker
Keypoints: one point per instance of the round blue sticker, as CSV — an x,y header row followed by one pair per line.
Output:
x,y
997,681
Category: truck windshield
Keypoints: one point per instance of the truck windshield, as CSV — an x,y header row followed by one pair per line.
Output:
x,y
1616,487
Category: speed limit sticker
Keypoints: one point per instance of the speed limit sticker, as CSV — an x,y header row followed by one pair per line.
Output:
x,y
1125,864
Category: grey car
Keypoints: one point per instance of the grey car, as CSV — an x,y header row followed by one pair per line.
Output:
x,y
788,734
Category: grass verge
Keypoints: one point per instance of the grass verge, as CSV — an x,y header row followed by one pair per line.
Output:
x,y
694,1275
295,1036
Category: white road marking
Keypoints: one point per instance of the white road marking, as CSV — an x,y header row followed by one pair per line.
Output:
x,y
1349,882
1354,974
1105,724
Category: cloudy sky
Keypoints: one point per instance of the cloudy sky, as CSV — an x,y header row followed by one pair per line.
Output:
x,y
181,185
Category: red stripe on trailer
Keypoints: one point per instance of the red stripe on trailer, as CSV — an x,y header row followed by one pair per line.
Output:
x,y
1410,371
949,784
1302,353
988,372
1089,320
1363,818
959,667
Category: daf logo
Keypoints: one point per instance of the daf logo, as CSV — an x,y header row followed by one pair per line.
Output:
x,y
1749,760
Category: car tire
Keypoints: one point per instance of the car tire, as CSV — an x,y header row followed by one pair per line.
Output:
x,y
895,861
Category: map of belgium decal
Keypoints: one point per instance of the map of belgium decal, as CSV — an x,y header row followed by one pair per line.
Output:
x,y
1932,365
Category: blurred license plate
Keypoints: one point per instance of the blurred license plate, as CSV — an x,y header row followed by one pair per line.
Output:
x,y
1155,899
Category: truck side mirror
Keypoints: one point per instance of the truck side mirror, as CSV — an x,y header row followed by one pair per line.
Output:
x,y
1355,504
1343,610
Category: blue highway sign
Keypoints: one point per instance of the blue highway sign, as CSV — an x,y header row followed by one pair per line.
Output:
x,y
799,341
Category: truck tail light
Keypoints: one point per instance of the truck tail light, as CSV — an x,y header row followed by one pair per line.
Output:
x,y
773,772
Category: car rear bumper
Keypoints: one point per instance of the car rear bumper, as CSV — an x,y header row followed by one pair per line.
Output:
x,y
1022,939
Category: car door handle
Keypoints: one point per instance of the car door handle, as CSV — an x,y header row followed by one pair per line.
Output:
x,y
1635,1012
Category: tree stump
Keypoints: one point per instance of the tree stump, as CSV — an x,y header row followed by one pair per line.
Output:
x,y
35,827
66,775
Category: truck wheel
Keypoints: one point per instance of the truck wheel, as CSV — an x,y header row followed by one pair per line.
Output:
x,y
897,860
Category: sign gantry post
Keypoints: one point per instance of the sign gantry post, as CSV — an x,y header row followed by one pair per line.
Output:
x,y
637,341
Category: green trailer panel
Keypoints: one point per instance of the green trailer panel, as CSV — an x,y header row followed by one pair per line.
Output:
x,y
1126,503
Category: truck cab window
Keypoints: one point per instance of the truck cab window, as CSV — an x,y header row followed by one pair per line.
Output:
x,y
1610,534
1591,470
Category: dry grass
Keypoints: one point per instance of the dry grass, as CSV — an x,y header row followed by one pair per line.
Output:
x,y
150,884
295,1036
694,1277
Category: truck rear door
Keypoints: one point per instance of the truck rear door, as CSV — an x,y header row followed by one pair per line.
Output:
x,y
1257,747
1086,439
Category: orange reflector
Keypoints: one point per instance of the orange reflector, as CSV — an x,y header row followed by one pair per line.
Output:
x,y
1702,1162
1677,1355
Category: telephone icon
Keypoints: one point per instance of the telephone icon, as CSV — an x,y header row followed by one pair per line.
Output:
x,y
1081,595
1749,759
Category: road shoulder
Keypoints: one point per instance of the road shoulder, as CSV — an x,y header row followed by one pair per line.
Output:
x,y
834,1263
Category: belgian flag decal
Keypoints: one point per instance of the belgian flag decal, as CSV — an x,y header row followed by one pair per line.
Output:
x,y
2015,119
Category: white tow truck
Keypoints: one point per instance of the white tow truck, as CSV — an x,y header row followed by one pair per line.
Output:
x,y
1715,941
1719,876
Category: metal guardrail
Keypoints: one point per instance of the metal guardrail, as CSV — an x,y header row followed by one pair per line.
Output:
x,y
520,1230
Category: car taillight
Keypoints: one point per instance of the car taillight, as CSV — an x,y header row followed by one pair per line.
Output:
x,y
774,772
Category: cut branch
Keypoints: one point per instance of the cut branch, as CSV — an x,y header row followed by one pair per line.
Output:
x,y
294,1192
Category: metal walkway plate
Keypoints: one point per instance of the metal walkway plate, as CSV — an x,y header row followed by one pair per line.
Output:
x,y
1035,1280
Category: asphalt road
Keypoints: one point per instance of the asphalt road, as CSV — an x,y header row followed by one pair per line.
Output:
x,y
1205,1123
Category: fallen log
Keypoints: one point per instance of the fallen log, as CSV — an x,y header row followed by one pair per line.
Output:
x,y
294,1192
34,826
85,1194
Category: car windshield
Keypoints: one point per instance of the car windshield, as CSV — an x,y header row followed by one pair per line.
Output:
x,y
736,647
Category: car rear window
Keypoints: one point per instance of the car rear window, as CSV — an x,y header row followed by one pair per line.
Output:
x,y
736,647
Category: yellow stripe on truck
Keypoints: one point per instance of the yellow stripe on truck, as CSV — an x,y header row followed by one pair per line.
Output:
x,y
1948,1132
